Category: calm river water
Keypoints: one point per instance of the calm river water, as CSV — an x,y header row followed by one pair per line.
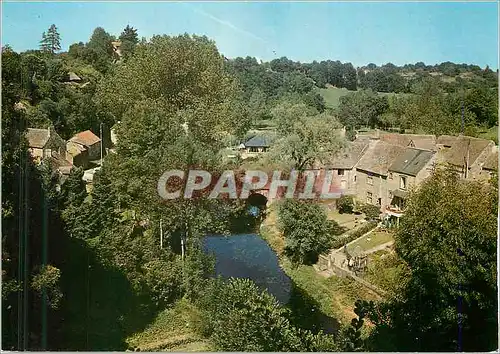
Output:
x,y
249,256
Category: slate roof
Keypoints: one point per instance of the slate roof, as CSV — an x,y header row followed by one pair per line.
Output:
x,y
257,141
420,141
37,138
379,156
411,161
491,162
348,156
456,154
86,138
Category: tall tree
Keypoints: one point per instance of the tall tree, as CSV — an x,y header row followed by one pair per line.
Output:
x,y
129,40
51,41
448,238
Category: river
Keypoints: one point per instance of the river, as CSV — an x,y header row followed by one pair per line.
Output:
x,y
249,256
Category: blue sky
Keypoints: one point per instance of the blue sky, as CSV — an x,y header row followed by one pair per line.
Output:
x,y
360,33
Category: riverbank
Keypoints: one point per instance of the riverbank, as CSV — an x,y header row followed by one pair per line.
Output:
x,y
335,296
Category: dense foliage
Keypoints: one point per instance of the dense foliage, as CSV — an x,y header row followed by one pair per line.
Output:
x,y
306,229
448,239
240,317
82,271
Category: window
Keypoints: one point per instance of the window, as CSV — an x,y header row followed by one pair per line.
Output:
x,y
379,201
369,197
354,178
340,172
390,175
369,180
402,183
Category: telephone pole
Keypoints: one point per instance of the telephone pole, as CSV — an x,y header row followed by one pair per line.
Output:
x,y
100,128
161,235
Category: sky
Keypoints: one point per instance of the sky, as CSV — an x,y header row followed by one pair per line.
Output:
x,y
356,32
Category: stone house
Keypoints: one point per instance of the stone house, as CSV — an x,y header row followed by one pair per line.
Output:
x,y
254,146
465,154
372,171
344,162
406,173
42,143
420,141
77,154
85,140
490,166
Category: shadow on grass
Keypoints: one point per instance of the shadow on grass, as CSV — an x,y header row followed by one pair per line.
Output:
x,y
100,309
306,313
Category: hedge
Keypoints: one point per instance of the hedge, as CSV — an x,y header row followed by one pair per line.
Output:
x,y
353,234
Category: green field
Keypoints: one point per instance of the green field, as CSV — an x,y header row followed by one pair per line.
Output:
x,y
332,95
490,134
372,240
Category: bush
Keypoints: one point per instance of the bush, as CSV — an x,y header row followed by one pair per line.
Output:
x,y
239,317
353,234
345,204
306,229
371,211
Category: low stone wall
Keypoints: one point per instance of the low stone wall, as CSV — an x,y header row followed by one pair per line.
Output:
x,y
326,263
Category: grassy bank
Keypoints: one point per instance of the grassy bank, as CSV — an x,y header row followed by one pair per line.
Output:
x,y
335,296
173,330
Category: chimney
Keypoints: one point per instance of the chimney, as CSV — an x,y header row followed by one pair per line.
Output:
x,y
48,130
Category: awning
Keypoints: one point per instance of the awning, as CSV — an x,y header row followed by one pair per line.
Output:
x,y
399,193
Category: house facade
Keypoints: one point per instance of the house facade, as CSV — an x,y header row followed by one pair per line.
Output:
x,y
42,143
88,141
372,172
407,172
344,164
490,166
465,154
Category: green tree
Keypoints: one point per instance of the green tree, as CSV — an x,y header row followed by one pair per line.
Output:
x,y
448,239
345,204
129,40
240,317
361,108
307,140
372,212
51,41
306,229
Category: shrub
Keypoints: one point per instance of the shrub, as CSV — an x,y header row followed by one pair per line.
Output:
x,y
306,229
240,317
345,204
371,211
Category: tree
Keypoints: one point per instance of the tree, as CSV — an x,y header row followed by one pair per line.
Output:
x,y
448,239
345,204
99,50
306,230
240,317
304,140
51,41
361,108
129,40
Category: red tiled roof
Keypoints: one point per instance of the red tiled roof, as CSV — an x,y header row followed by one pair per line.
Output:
x,y
86,138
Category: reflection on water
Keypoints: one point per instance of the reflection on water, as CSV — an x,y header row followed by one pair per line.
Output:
x,y
249,256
